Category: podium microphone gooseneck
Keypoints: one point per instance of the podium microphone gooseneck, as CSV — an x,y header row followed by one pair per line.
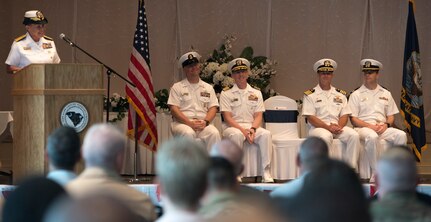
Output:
x,y
109,71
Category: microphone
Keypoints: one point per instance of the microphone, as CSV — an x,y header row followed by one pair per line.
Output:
x,y
63,36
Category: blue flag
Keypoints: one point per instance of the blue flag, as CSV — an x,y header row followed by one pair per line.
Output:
x,y
411,93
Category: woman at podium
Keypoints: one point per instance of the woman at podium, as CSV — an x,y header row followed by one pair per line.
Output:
x,y
34,46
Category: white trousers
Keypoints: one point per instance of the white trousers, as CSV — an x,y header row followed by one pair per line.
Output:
x,y
262,139
372,147
350,139
209,135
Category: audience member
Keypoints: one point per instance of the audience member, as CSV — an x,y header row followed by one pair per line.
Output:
x,y
373,114
221,202
396,179
181,166
242,109
311,153
63,150
103,152
92,208
31,200
327,112
331,192
234,154
193,103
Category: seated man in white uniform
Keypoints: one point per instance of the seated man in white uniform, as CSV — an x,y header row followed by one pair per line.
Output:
x,y
34,46
242,109
193,104
327,112
373,110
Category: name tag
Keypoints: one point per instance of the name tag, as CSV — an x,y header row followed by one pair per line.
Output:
x,y
26,48
383,98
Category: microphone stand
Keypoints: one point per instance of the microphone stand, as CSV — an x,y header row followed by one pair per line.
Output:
x,y
109,71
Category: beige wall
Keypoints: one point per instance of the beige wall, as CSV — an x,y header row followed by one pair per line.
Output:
x,y
295,33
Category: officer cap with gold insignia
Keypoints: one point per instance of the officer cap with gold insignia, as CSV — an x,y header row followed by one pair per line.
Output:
x,y
370,65
325,65
34,17
238,64
189,59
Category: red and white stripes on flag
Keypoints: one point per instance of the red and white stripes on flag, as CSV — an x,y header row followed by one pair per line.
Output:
x,y
141,98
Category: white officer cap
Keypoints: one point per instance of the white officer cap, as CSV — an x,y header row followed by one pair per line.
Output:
x,y
34,17
238,64
371,65
188,59
325,65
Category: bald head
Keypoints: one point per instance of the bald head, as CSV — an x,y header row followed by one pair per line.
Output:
x,y
230,151
396,170
104,147
312,150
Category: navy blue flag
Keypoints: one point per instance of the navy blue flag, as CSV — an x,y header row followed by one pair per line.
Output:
x,y
411,93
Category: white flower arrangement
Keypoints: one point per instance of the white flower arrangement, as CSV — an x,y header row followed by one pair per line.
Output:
x,y
117,103
215,69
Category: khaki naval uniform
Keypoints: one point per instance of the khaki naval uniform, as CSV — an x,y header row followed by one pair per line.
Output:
x,y
243,104
372,106
194,101
26,51
329,106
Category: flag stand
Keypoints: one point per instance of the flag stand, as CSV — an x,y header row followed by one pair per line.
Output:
x,y
135,178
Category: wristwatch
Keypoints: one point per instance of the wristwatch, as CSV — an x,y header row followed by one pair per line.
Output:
x,y
253,128
207,122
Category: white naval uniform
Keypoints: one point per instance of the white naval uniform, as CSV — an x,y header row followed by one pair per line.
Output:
x,y
329,106
243,104
373,106
26,51
194,101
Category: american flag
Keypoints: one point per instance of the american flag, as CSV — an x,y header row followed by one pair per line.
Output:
x,y
141,98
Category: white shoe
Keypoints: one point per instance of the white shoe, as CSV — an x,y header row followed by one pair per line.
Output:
x,y
267,177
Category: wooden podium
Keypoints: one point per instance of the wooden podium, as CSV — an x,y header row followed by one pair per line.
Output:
x,y
40,94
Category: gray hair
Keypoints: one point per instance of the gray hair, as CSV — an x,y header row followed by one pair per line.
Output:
x,y
229,150
182,165
396,170
103,145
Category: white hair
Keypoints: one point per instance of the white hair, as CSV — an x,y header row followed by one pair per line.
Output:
x,y
102,145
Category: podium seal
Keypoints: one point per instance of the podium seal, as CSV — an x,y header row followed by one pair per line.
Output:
x,y
74,115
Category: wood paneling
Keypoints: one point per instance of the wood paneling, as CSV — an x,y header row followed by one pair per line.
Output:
x,y
40,92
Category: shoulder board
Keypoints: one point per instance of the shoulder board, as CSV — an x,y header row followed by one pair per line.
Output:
x,y
49,38
384,87
354,90
20,38
310,91
227,88
341,91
